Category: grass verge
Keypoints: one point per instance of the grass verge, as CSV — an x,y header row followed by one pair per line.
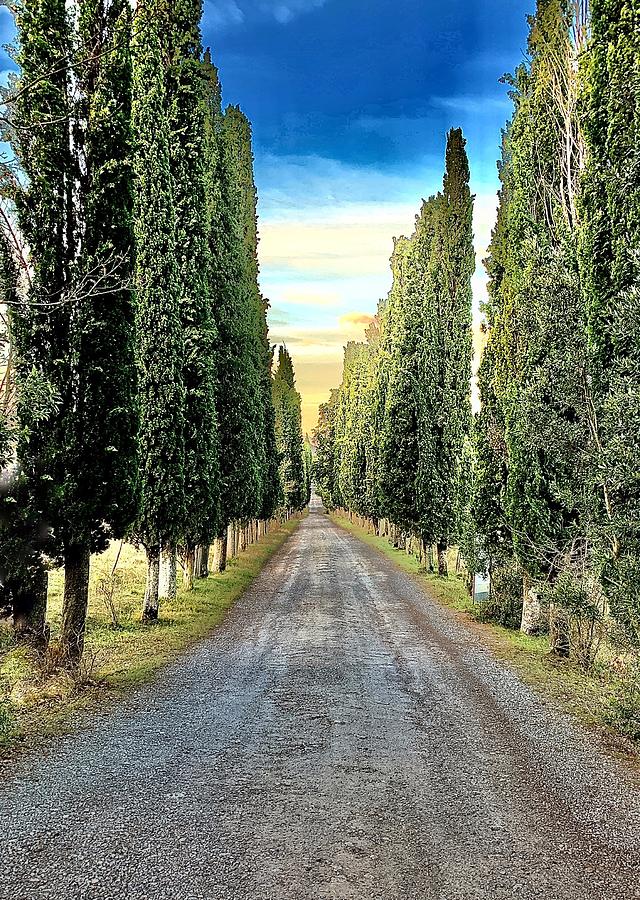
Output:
x,y
586,696
120,652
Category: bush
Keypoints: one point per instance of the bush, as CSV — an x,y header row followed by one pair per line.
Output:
x,y
622,711
505,604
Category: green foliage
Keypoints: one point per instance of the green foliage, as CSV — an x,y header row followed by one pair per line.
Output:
x,y
288,431
74,336
308,470
324,463
533,495
249,486
623,708
160,340
391,443
188,160
610,265
399,445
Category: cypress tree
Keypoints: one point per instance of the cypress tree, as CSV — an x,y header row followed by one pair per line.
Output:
x,y
160,344
238,398
537,320
271,496
74,333
399,447
289,440
101,473
40,327
185,89
451,417
23,578
610,266
308,470
324,466
258,350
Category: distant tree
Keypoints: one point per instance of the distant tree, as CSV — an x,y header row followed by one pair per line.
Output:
x,y
289,441
308,470
324,465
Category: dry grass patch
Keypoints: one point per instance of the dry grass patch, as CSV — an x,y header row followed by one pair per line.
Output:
x,y
120,650
585,695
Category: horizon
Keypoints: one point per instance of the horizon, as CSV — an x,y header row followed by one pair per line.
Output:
x,y
345,154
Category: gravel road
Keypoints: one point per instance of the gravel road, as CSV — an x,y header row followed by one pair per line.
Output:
x,y
340,736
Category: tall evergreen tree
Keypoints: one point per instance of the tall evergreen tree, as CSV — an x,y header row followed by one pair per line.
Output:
x,y
75,331
399,446
286,401
258,351
40,328
610,257
324,467
536,312
188,169
454,267
233,288
160,343
23,578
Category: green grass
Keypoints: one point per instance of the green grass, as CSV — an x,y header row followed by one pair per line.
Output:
x,y
36,703
587,696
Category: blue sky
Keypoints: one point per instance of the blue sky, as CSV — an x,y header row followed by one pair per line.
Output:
x,y
350,102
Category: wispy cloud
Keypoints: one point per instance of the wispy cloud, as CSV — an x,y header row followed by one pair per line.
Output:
x,y
356,320
472,104
290,184
327,232
223,14
284,11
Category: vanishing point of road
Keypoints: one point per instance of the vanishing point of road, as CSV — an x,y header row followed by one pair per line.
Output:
x,y
341,735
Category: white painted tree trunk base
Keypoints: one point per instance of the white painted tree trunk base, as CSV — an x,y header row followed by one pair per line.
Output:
x,y
168,581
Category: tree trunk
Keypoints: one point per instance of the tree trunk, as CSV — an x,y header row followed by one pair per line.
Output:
x,y
220,554
189,567
532,614
29,604
168,575
231,545
424,553
202,569
77,560
443,568
151,600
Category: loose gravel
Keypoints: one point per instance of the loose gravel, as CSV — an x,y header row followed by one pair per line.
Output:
x,y
341,735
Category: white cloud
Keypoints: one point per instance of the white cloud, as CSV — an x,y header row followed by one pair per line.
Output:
x,y
327,232
472,104
220,14
284,11
289,184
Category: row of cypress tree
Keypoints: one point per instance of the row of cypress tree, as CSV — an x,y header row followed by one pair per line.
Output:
x,y
542,490
390,444
143,365
556,494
